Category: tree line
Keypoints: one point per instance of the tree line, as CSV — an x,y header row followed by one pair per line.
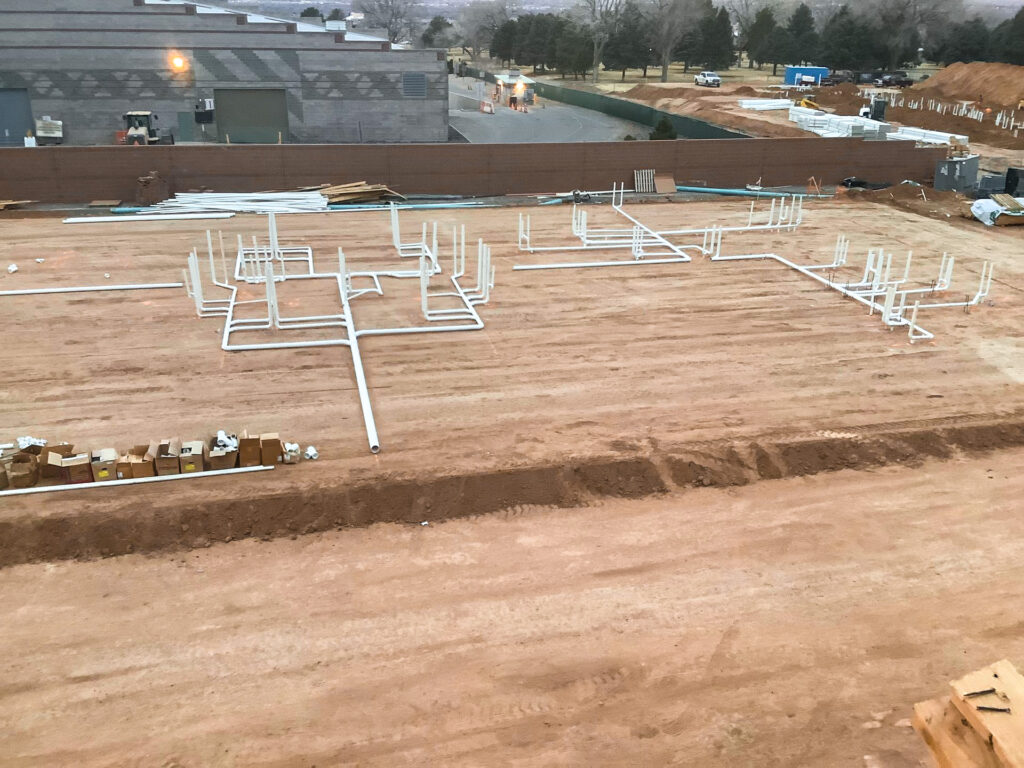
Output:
x,y
618,35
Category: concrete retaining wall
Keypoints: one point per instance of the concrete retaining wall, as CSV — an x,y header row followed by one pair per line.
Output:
x,y
77,174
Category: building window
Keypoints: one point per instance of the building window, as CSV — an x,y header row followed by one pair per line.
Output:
x,y
414,85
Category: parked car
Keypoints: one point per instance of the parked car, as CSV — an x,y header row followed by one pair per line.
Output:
x,y
894,80
838,76
710,79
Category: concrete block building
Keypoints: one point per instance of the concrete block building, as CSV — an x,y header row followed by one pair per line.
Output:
x,y
87,62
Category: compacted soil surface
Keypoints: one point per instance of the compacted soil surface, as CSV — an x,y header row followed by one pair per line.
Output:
x,y
790,623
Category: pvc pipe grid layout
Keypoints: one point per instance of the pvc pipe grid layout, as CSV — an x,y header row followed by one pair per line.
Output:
x,y
271,265
783,216
878,289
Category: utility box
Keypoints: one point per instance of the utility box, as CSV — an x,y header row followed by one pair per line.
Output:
x,y
878,109
1015,182
959,174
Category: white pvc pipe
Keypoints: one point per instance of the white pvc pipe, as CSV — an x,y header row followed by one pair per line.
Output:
x,y
357,364
583,264
86,288
147,217
131,481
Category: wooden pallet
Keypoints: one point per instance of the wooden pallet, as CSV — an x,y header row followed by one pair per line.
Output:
x,y
981,723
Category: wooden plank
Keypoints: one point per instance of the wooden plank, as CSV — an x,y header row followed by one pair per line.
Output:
x,y
13,203
1009,202
104,203
951,743
664,184
1004,730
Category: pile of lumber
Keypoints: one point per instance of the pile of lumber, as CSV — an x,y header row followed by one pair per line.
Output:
x,y
13,203
980,724
354,192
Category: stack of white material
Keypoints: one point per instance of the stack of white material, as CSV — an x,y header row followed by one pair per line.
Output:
x,y
824,124
908,133
766,105
242,202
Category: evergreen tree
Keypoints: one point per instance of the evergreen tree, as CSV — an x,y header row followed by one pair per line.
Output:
x,y
504,41
627,47
803,36
716,40
969,41
689,49
574,51
1005,40
759,35
779,47
663,130
309,13
848,43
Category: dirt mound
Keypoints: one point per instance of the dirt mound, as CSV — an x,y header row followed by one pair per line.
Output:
x,y
86,533
648,92
924,201
746,90
983,82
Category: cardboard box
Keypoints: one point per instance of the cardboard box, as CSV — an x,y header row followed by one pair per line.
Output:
x,y
166,454
46,469
271,449
219,458
73,469
248,450
191,458
104,464
138,462
23,471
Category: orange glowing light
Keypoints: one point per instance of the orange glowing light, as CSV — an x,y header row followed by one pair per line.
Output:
x,y
178,63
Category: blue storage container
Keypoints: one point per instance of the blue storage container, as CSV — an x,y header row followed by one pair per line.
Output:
x,y
793,74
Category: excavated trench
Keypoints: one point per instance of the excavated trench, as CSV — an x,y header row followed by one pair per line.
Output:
x,y
86,534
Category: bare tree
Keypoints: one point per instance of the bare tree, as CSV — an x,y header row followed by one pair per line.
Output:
x,y
478,21
602,17
393,16
742,12
668,20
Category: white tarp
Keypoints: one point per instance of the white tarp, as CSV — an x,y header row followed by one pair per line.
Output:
x,y
987,211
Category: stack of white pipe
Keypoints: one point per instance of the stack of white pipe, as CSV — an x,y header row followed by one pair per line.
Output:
x,y
242,202
908,133
766,105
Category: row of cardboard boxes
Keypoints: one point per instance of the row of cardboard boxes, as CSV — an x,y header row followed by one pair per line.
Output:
x,y
171,456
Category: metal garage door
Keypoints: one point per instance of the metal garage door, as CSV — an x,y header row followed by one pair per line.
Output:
x,y
251,116
15,116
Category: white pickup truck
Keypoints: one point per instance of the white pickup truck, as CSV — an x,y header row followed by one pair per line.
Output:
x,y
710,79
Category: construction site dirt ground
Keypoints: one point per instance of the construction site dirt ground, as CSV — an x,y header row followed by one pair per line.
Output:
x,y
602,373
721,106
787,624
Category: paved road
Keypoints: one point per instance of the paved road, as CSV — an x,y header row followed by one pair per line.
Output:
x,y
547,121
